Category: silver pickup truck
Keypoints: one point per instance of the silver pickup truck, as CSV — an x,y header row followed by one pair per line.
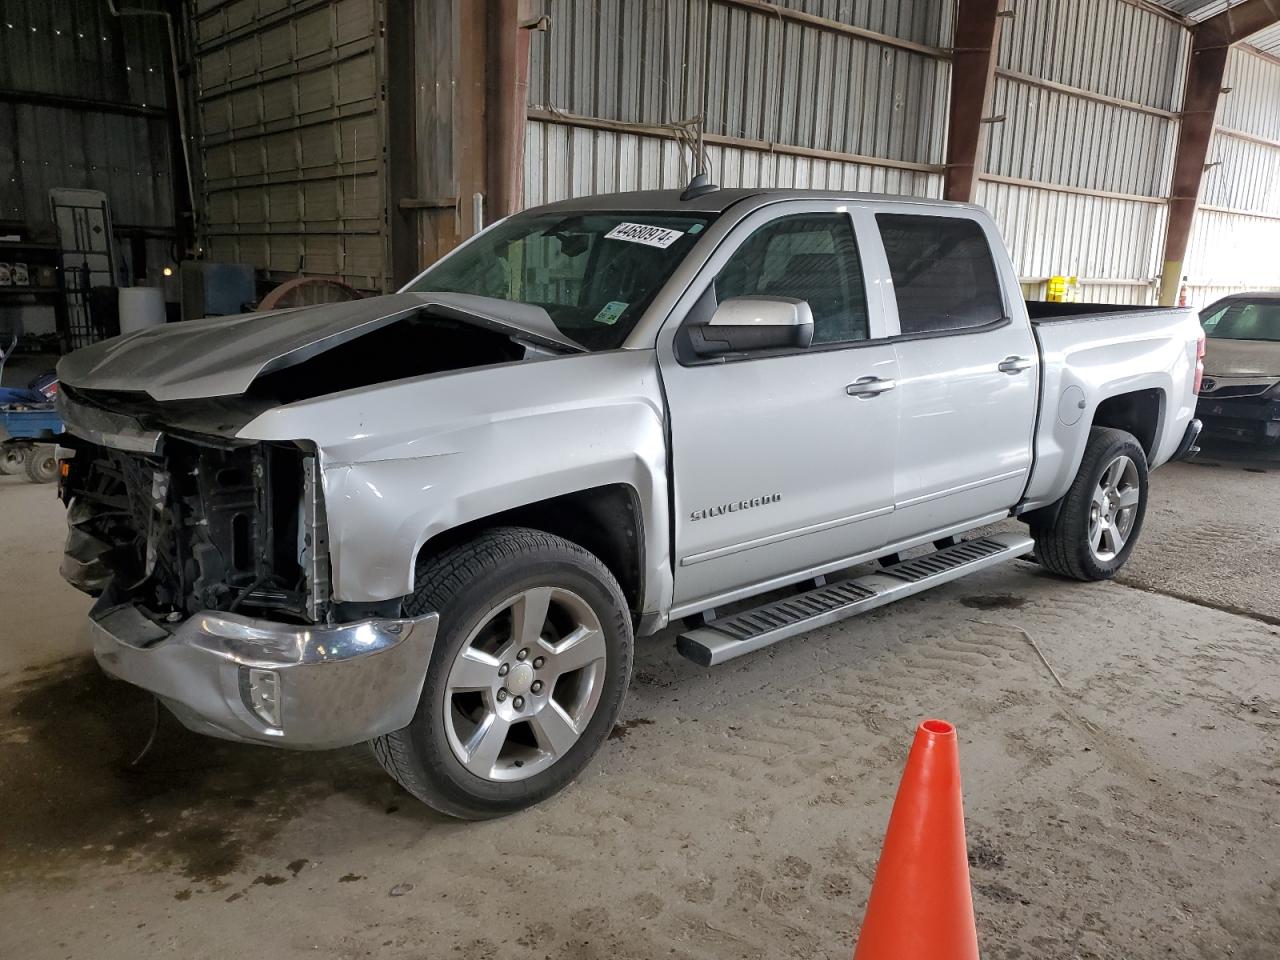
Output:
x,y
436,520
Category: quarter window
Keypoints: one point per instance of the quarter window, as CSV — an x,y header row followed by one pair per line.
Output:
x,y
811,257
943,275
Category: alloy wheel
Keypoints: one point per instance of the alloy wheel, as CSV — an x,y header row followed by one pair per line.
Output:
x,y
525,684
1114,508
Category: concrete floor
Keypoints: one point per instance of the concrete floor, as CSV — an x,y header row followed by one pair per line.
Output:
x,y
737,812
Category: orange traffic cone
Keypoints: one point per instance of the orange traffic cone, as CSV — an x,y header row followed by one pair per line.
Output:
x,y
920,906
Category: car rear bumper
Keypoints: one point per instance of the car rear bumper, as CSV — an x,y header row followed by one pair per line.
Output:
x,y
1241,419
259,681
1188,448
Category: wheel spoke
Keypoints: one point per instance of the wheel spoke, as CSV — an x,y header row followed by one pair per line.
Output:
x,y
473,670
486,743
1114,540
1129,497
556,733
1095,536
1114,472
581,648
529,615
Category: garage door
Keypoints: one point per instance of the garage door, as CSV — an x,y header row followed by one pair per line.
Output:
x,y
291,117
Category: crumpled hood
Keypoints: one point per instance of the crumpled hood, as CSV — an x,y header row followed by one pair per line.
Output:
x,y
1241,358
222,356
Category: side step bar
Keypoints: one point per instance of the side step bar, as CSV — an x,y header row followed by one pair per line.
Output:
x,y
741,633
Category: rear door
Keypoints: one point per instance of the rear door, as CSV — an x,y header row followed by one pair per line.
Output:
x,y
777,468
968,369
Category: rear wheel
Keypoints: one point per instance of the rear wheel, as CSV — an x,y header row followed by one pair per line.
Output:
x,y
1101,515
41,465
526,679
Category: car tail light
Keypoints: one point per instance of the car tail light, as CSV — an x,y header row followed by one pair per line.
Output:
x,y
1195,384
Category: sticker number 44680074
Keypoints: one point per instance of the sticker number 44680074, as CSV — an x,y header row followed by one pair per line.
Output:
x,y
642,233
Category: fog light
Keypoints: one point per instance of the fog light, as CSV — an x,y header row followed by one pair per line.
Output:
x,y
261,692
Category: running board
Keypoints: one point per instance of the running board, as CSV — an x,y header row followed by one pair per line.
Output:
x,y
741,633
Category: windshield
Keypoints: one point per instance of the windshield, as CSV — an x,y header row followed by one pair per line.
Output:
x,y
593,273
1242,320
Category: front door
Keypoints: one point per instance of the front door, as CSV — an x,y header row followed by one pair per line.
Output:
x,y
778,467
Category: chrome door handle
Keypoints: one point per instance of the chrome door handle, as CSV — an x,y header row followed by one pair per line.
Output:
x,y
1012,365
867,387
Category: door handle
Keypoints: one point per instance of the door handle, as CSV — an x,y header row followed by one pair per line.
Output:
x,y
867,387
1012,365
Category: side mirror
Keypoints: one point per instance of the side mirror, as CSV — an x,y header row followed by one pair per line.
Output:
x,y
754,323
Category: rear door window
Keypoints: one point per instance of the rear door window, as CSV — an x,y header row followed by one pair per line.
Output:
x,y
943,273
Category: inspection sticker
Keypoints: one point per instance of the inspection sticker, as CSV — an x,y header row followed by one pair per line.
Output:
x,y
640,233
610,312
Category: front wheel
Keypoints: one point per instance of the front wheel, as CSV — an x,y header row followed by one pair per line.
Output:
x,y
13,458
530,666
1101,515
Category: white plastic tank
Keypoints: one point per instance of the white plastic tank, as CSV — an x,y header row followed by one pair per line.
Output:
x,y
141,307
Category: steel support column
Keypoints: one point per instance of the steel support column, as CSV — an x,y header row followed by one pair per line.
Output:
x,y
1210,48
402,137
507,90
973,64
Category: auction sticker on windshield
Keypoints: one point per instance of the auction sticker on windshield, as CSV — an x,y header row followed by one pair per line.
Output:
x,y
641,233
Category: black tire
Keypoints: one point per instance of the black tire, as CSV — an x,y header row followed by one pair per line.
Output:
x,y
1063,546
41,465
13,458
463,584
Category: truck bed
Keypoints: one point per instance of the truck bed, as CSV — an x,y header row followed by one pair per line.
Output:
x,y
1045,311
1095,350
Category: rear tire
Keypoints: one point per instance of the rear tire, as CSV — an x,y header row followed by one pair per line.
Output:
x,y
42,465
1100,517
553,619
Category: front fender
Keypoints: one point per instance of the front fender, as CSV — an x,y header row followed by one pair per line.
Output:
x,y
404,462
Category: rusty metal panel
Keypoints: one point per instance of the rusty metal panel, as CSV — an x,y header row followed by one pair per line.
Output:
x,y
565,161
291,112
85,109
1253,105
1196,9
1098,238
1245,175
772,79
1113,48
1268,40
1056,137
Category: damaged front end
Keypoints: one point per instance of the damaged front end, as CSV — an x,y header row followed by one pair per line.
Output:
x,y
209,557
195,526
209,551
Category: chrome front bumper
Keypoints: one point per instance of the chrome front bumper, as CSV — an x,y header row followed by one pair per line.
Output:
x,y
328,686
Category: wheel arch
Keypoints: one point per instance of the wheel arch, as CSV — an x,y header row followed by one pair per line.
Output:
x,y
607,521
1139,412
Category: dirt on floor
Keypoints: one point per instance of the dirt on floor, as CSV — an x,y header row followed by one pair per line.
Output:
x,y
1132,812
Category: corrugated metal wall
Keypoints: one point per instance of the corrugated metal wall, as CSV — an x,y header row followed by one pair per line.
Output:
x,y
1235,238
113,138
1092,172
290,105
786,103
